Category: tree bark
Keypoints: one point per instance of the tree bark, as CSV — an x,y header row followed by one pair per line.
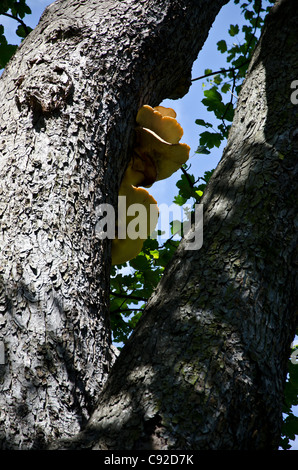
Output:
x,y
205,367
69,98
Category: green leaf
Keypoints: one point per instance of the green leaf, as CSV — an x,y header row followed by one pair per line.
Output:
x,y
208,174
217,79
202,149
6,52
150,244
22,9
210,139
234,30
140,262
226,87
247,30
201,122
6,5
248,15
20,31
23,32
213,101
222,46
185,185
154,254
180,200
212,95
290,427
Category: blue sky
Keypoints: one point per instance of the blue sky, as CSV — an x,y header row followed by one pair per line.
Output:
x,y
188,109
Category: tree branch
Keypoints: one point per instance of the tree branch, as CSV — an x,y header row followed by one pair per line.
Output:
x,y
19,20
231,69
128,296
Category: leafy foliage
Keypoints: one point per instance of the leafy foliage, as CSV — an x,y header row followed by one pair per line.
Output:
x,y
131,288
6,50
16,11
290,423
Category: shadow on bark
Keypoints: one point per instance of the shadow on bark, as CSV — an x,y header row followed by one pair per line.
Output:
x,y
206,365
51,348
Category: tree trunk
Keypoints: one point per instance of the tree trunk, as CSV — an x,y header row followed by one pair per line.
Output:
x,y
69,98
206,366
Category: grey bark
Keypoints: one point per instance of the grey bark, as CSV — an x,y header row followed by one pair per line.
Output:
x,y
69,98
205,368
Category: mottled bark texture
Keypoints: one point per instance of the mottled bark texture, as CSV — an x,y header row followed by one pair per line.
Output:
x,y
205,367
69,98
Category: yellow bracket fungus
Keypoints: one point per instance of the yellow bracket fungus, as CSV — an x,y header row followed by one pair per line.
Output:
x,y
157,154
